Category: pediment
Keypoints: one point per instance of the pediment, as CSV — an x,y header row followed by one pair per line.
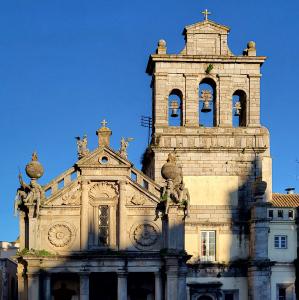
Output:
x,y
206,27
68,196
103,157
139,197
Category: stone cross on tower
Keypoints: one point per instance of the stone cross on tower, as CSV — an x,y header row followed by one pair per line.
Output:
x,y
104,123
206,13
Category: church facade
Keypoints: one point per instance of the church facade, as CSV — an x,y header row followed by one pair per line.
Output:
x,y
195,223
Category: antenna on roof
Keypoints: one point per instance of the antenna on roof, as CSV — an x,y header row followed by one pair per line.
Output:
x,y
147,122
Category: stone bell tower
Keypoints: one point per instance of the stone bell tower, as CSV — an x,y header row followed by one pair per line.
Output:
x,y
207,79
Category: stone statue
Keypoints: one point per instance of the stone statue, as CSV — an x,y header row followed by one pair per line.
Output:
x,y
82,149
32,194
124,143
175,191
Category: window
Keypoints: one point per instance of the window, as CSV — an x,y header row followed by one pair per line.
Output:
x,y
208,245
231,294
280,241
291,214
280,213
270,213
239,108
103,225
282,293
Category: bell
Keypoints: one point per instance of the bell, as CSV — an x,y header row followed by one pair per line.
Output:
x,y
206,107
174,106
237,109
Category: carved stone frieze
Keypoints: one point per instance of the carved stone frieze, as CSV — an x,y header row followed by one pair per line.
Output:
x,y
71,197
137,200
102,190
60,235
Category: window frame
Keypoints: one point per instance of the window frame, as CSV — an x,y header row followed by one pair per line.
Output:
x,y
208,258
278,238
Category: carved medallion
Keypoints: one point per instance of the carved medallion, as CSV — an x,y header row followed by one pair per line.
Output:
x,y
145,235
60,235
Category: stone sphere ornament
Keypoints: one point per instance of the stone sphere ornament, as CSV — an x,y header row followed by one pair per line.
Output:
x,y
170,170
162,43
251,45
34,169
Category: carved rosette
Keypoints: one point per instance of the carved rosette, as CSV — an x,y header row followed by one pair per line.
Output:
x,y
102,190
60,235
145,236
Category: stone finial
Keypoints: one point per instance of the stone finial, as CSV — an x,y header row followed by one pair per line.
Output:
x,y
161,47
251,49
34,169
104,134
170,170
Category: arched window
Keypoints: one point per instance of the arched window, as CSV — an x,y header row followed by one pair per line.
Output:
x,y
239,109
175,116
207,99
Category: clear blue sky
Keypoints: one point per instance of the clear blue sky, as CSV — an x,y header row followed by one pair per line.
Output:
x,y
65,65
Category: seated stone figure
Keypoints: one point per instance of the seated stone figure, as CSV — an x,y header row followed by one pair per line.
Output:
x,y
175,190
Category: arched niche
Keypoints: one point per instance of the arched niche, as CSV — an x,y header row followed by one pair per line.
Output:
x,y
175,114
207,102
239,113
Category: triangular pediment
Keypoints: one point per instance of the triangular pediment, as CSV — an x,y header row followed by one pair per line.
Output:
x,y
140,197
68,196
103,157
206,27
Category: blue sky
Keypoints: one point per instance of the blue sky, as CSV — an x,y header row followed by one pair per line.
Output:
x,y
65,65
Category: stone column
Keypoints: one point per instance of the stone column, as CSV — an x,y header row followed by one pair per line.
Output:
x,y
31,227
160,94
253,101
223,107
122,216
259,271
172,282
158,286
84,286
191,100
122,289
182,287
22,230
33,286
84,215
21,283
47,286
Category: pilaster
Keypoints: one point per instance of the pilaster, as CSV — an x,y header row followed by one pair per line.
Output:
x,y
33,286
122,216
158,286
191,103
160,98
122,286
84,215
84,286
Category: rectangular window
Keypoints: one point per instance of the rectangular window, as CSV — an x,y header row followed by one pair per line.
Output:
x,y
208,245
103,225
282,293
270,213
280,213
291,214
280,241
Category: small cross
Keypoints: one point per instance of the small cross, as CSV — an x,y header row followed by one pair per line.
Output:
x,y
104,123
206,13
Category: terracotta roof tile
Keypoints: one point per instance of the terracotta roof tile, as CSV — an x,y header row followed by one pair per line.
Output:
x,y
285,200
